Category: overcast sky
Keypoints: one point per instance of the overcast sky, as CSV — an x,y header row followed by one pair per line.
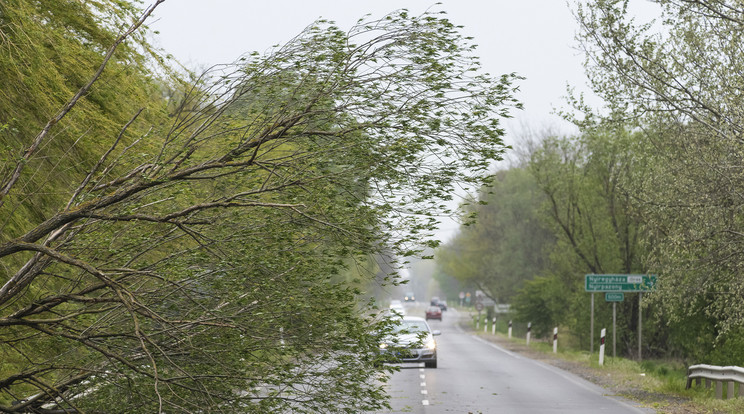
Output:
x,y
534,38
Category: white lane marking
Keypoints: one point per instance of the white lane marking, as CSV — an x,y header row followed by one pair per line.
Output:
x,y
423,385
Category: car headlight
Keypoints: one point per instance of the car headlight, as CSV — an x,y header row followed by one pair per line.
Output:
x,y
431,344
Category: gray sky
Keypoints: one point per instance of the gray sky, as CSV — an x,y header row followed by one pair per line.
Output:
x,y
534,38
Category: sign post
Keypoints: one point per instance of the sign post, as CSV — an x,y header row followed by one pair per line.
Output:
x,y
614,297
479,308
640,324
614,330
591,329
614,286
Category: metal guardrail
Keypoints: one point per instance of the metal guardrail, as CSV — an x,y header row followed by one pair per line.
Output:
x,y
712,373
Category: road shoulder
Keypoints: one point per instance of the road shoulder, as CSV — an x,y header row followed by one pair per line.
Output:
x,y
622,386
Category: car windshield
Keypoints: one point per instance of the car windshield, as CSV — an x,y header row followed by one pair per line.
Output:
x,y
412,326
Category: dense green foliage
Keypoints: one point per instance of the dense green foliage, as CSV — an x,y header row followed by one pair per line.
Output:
x,y
509,242
175,247
581,222
651,183
590,213
680,86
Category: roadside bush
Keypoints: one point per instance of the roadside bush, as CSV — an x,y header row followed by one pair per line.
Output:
x,y
541,301
729,349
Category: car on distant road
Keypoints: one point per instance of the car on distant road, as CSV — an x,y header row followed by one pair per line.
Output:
x,y
433,312
410,297
434,301
412,340
442,305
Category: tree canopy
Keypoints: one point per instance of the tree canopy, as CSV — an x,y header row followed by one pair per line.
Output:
x,y
172,246
678,81
651,183
508,243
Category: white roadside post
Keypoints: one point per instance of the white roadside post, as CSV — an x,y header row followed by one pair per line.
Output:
x,y
602,334
555,340
485,324
510,323
529,328
493,326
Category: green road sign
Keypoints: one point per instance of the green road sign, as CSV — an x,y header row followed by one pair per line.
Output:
x,y
620,283
614,296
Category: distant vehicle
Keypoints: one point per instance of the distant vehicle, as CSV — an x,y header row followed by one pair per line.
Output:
x,y
435,301
410,297
442,305
433,312
412,341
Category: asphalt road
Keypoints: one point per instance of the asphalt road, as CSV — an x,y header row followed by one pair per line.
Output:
x,y
476,376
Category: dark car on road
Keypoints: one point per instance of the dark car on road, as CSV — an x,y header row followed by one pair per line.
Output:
x,y
412,340
433,312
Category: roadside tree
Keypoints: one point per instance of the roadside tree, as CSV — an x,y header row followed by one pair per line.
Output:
x,y
183,254
584,180
507,244
679,81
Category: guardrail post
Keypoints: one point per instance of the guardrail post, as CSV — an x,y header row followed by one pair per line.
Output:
x,y
730,390
719,390
529,329
510,328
